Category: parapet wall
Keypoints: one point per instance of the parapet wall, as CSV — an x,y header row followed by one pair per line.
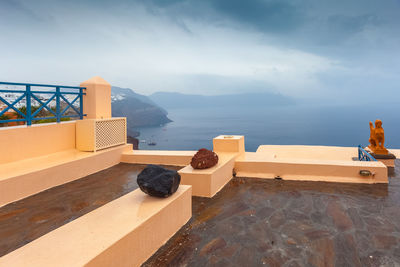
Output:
x,y
23,142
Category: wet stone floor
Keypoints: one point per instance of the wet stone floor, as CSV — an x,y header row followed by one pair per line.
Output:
x,y
25,220
256,222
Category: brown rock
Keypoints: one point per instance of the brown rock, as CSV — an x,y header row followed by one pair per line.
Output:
x,y
204,159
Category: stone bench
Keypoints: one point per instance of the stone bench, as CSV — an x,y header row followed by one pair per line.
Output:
x,y
22,178
124,232
207,182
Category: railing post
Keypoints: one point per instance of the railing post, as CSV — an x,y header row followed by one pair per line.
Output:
x,y
81,103
28,106
58,107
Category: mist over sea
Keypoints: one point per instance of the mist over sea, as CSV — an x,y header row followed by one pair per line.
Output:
x,y
194,128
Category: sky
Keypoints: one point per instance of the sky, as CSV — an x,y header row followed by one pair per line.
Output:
x,y
327,50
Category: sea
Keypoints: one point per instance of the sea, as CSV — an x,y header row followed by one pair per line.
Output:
x,y
333,125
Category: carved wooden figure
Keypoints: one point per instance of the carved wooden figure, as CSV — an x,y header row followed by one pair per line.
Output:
x,y
377,138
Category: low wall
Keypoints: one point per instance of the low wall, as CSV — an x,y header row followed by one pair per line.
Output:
x,y
23,142
253,165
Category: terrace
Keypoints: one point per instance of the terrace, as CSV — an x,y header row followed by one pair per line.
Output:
x,y
263,222
73,200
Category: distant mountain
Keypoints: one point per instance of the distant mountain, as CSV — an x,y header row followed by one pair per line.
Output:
x,y
177,100
138,109
130,93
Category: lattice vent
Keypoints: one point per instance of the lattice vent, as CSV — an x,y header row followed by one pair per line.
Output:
x,y
110,133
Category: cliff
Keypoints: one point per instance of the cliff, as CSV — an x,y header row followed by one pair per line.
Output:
x,y
139,110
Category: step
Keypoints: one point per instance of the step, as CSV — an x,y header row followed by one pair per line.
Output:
x,y
207,182
27,177
124,232
162,157
258,165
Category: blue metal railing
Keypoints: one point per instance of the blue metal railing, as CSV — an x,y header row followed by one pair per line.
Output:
x,y
363,155
57,93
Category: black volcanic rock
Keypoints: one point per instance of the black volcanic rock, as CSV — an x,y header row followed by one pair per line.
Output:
x,y
157,181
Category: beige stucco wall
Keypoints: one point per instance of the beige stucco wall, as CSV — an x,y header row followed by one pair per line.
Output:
x,y
97,101
308,152
23,142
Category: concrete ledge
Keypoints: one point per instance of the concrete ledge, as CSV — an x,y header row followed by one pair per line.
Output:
x,y
207,182
388,162
396,152
162,157
257,166
23,178
124,232
308,152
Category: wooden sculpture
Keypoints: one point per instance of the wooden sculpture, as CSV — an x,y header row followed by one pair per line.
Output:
x,y
377,138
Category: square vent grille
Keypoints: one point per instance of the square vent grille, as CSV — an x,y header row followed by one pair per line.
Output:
x,y
97,134
110,133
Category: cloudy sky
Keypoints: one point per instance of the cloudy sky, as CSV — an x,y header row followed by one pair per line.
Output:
x,y
337,50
